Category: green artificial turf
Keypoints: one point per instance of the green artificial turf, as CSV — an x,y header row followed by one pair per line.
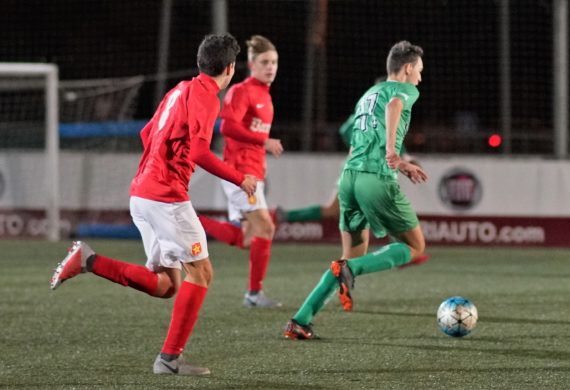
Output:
x,y
93,334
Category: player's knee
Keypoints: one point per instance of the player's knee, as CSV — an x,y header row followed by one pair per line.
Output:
x,y
266,230
166,286
205,273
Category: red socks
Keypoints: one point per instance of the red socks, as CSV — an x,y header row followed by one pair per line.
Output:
x,y
259,253
223,231
132,275
184,315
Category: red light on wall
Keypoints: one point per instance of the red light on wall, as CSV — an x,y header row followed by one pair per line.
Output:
x,y
495,140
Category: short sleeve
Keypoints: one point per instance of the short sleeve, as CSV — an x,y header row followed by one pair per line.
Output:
x,y
408,94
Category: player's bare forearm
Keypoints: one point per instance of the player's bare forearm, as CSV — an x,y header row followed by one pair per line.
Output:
x,y
393,113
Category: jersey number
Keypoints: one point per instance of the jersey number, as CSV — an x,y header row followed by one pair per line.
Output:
x,y
366,108
164,116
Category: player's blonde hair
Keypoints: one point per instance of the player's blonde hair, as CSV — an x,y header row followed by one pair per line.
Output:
x,y
257,45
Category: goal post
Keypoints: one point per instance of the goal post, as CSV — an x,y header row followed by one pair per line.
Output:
x,y
50,75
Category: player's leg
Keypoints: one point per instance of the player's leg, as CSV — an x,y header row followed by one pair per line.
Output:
x,y
387,209
154,221
315,212
185,313
262,230
154,280
227,232
187,246
351,219
248,233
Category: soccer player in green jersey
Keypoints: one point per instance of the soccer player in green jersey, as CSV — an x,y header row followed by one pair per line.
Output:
x,y
318,212
369,193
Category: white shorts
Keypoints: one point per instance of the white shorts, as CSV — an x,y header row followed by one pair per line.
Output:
x,y
171,232
239,203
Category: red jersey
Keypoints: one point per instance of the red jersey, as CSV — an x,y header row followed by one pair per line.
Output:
x,y
187,111
247,116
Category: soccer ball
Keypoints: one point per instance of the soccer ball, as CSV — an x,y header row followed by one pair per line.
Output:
x,y
457,316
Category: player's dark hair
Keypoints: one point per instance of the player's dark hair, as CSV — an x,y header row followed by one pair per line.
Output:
x,y
216,52
258,44
402,53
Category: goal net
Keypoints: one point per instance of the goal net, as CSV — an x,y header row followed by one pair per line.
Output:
x,y
29,172
61,149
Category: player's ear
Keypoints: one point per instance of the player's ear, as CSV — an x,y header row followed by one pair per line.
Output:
x,y
230,69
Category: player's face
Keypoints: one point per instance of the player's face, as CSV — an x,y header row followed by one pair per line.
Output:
x,y
414,72
264,66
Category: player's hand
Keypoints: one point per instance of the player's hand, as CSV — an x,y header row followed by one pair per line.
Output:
x,y
273,146
392,158
414,172
249,185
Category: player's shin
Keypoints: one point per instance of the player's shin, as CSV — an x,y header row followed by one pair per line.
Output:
x,y
184,316
317,298
387,257
259,254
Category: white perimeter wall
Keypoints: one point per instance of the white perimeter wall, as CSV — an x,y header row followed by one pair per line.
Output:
x,y
507,187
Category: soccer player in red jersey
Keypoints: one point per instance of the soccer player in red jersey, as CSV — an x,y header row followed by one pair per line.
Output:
x,y
176,139
247,116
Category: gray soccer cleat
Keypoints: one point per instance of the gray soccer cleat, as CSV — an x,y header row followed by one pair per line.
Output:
x,y
75,263
177,366
259,300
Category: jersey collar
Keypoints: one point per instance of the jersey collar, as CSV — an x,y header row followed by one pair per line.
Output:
x,y
209,83
254,81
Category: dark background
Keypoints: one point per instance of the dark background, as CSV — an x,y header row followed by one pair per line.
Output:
x,y
459,103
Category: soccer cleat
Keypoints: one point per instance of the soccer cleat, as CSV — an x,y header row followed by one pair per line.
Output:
x,y
259,300
74,264
416,261
177,366
342,272
296,331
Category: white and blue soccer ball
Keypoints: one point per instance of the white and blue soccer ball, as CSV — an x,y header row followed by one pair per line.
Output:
x,y
457,316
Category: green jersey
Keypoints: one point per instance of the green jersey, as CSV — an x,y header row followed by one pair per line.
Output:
x,y
369,129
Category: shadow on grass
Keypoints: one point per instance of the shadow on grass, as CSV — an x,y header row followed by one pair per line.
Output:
x,y
470,347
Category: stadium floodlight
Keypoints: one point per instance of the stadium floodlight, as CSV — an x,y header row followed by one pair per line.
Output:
x,y
49,74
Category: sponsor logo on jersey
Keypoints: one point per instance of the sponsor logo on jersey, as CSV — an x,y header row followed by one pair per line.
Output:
x,y
252,199
257,126
259,105
196,249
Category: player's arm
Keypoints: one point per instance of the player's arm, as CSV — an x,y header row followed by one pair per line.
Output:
x,y
236,130
236,104
393,112
201,154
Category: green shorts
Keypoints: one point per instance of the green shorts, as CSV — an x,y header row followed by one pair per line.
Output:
x,y
368,200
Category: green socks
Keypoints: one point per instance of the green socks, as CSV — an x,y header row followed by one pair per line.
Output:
x,y
387,257
311,213
317,298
